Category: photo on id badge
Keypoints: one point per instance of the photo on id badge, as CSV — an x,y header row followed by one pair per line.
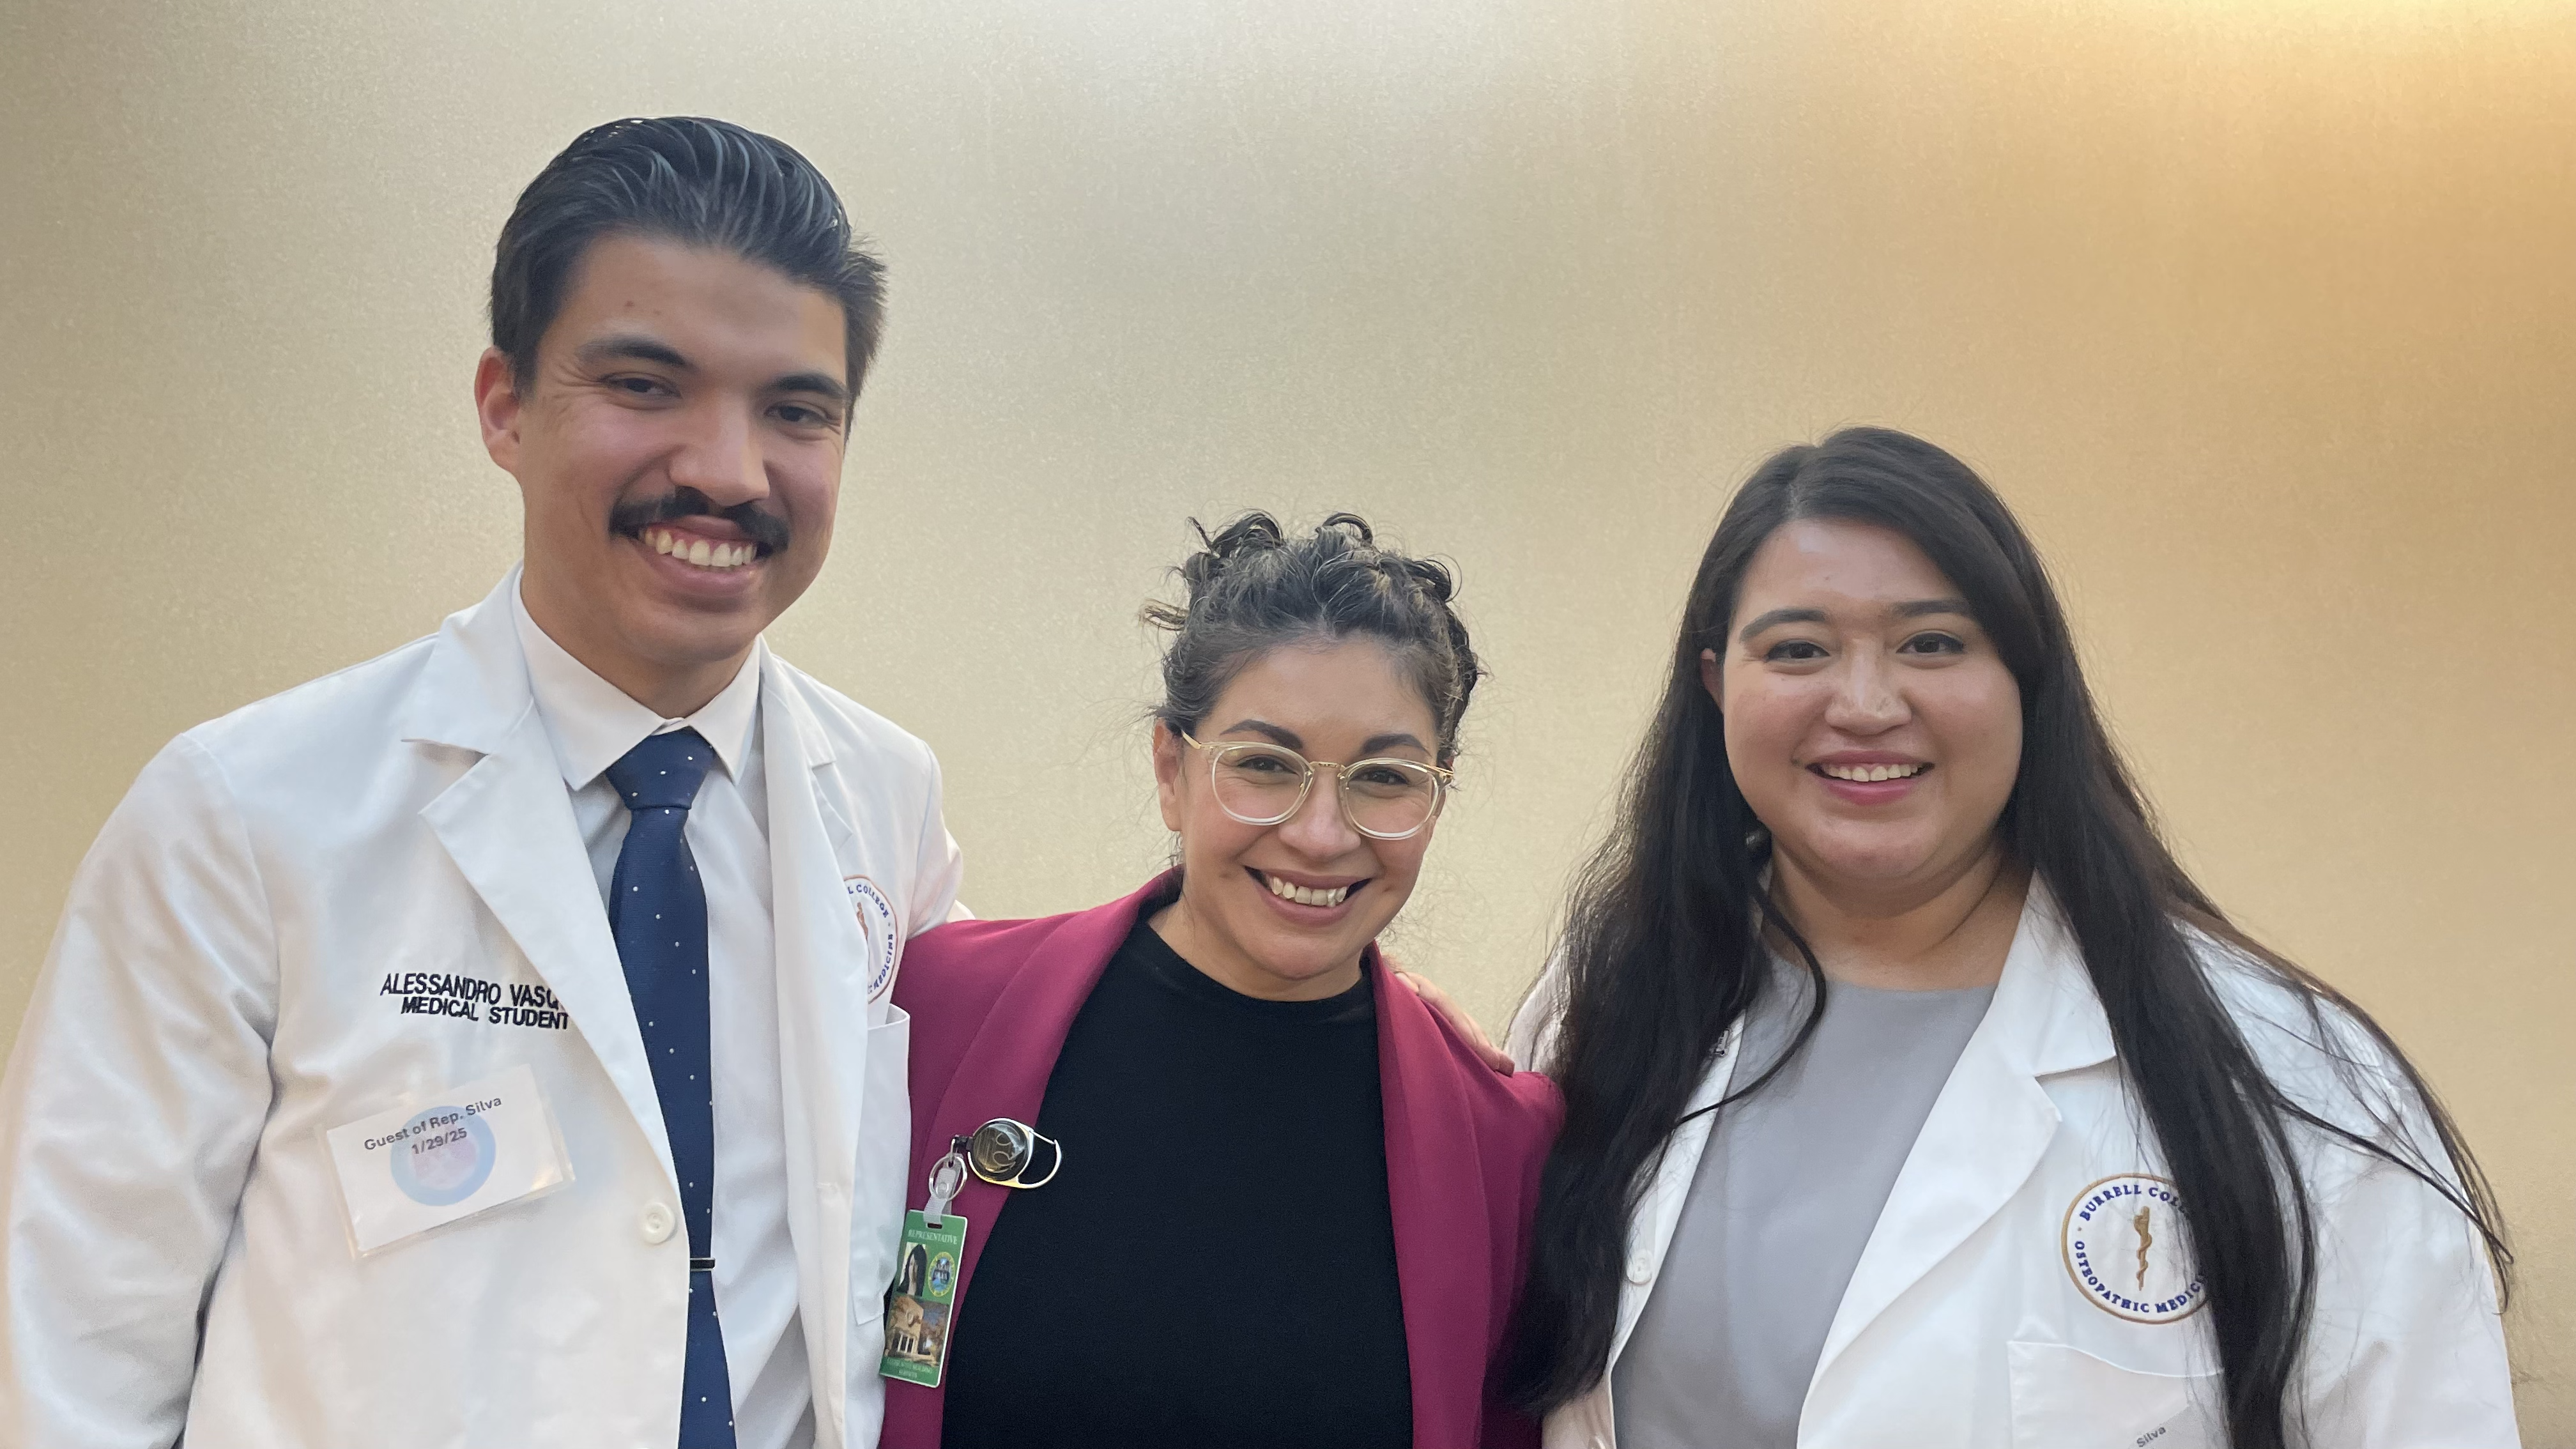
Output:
x,y
921,1301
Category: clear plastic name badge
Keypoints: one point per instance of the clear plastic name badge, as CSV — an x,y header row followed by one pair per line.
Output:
x,y
467,1150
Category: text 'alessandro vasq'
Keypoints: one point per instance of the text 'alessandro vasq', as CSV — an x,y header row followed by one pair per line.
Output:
x,y
515,1003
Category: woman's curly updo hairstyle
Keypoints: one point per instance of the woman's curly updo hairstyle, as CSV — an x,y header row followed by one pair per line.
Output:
x,y
1252,589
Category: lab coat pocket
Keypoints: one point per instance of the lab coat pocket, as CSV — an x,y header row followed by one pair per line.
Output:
x,y
2065,1398
876,1207
878,1195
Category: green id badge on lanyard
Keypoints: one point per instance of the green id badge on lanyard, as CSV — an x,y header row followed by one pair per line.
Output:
x,y
921,1303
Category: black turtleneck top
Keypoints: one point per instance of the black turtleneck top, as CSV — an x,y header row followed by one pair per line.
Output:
x,y
1215,1262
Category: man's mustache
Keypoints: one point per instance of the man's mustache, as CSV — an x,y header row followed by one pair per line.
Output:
x,y
634,515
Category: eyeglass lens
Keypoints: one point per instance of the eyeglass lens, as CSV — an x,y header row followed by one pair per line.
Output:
x,y
1260,785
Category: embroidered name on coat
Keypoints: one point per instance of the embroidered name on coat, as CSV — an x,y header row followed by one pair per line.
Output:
x,y
472,998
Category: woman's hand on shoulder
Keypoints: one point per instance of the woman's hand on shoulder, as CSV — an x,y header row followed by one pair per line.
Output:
x,y
1451,1012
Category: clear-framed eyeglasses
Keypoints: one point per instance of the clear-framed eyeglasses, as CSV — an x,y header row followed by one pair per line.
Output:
x,y
1265,784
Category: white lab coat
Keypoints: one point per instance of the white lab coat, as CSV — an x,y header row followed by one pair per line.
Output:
x,y
176,1250
1964,1323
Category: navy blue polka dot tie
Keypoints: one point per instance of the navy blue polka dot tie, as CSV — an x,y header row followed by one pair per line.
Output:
x,y
658,911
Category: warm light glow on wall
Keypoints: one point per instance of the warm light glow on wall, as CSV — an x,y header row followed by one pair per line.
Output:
x,y
2258,309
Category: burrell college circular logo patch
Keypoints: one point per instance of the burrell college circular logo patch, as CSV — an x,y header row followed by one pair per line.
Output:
x,y
2123,1247
876,922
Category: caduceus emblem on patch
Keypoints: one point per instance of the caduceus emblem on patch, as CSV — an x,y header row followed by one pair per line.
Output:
x,y
877,923
2123,1246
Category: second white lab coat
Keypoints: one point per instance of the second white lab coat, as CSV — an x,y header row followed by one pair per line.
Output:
x,y
1966,1323
220,994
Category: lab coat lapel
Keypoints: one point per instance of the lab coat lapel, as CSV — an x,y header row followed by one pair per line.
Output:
x,y
508,825
823,1037
1991,1124
821,954
1674,1169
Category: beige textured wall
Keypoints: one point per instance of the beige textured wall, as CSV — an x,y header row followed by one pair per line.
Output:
x,y
2259,310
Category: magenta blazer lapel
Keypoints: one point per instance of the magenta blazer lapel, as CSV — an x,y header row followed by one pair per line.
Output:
x,y
1464,1145
1443,1262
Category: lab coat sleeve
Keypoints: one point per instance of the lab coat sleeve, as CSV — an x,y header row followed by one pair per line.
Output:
x,y
2407,1348
129,1113
941,868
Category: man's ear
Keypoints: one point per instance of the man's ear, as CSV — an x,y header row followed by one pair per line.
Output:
x,y
1168,759
496,404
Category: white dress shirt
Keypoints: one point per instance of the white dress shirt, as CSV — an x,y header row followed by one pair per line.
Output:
x,y
593,724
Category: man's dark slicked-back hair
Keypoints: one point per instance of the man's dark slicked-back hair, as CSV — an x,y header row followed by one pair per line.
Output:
x,y
698,182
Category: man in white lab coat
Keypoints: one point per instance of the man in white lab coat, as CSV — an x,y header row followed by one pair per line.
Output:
x,y
490,1044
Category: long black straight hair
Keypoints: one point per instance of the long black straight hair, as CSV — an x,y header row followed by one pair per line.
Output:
x,y
1662,953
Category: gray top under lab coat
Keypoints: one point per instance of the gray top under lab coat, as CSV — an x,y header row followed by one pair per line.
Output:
x,y
1783,1202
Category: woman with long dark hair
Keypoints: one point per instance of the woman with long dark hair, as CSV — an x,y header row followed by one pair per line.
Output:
x,y
1915,1093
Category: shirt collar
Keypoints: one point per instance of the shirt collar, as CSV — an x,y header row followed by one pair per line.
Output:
x,y
593,723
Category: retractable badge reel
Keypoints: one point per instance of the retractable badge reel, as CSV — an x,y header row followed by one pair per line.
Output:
x,y
1010,1154
921,1303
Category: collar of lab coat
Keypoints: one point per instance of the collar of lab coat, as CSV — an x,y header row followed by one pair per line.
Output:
x,y
2045,997
475,690
473,694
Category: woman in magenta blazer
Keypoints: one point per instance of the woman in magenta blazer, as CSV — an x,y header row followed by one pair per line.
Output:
x,y
1257,1192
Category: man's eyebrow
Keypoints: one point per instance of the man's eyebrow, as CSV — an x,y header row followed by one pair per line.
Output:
x,y
631,347
821,384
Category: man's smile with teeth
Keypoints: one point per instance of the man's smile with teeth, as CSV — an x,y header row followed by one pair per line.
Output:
x,y
704,553
1305,895
1869,774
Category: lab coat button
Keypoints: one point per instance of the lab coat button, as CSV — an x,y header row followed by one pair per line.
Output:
x,y
1640,1269
656,1223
